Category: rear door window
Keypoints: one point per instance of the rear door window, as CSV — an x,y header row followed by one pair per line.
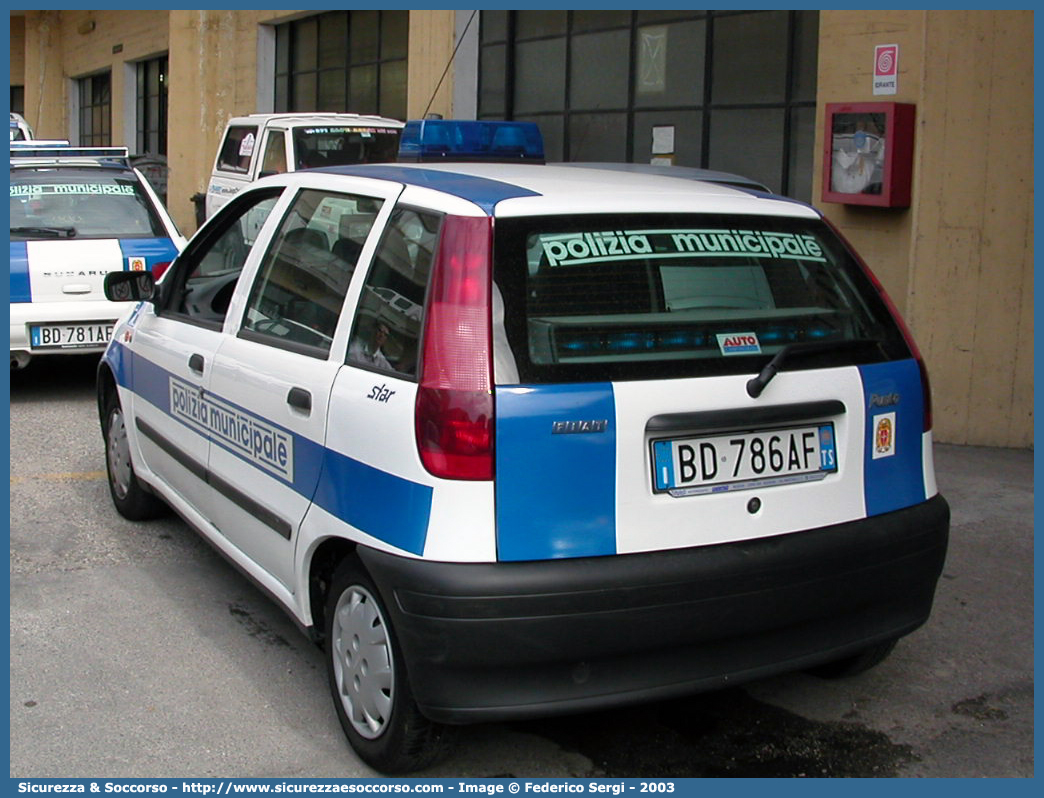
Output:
x,y
592,298
295,302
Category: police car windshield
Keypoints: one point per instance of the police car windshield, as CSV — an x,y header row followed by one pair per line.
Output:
x,y
637,297
85,203
337,145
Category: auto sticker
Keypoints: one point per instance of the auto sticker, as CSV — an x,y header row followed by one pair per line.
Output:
x,y
745,343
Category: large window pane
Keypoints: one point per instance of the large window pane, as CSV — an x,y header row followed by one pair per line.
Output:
x,y
598,137
688,134
662,16
393,89
305,96
670,64
364,41
600,20
494,26
552,129
530,24
750,143
362,90
395,27
306,44
540,76
802,151
492,75
605,87
750,58
333,40
331,91
806,55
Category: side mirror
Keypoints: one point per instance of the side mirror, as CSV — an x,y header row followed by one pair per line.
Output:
x,y
130,286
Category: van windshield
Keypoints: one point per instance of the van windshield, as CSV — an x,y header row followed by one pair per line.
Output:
x,y
591,298
338,145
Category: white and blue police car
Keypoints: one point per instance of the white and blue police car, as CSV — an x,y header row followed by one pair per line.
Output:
x,y
77,213
513,440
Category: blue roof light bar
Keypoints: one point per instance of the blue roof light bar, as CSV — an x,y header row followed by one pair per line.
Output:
x,y
450,140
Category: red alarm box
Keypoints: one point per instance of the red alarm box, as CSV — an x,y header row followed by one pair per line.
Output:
x,y
868,154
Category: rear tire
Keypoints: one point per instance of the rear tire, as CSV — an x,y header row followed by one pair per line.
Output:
x,y
130,497
856,663
368,680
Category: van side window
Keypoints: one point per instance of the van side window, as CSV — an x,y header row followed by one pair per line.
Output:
x,y
207,272
296,299
388,322
274,160
237,149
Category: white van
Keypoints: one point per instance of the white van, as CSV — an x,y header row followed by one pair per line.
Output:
x,y
513,440
259,145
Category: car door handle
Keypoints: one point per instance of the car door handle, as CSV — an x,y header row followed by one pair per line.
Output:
x,y
196,363
299,398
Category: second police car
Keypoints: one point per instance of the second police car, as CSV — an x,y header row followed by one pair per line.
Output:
x,y
513,440
77,213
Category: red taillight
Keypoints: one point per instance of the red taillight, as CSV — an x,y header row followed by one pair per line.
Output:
x,y
926,388
159,268
454,413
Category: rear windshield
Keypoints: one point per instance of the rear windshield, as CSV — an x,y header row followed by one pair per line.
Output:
x,y
80,203
344,146
590,298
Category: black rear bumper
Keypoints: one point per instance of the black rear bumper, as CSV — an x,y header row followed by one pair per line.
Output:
x,y
516,640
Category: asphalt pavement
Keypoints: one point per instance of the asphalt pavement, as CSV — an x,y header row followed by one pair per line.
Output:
x,y
137,652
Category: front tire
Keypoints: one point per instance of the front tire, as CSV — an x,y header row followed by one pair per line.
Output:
x,y
131,499
369,683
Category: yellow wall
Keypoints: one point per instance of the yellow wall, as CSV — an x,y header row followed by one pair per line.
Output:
x,y
213,75
959,262
431,46
17,36
63,46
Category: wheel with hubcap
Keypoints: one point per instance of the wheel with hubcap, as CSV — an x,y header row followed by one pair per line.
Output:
x,y
131,499
369,683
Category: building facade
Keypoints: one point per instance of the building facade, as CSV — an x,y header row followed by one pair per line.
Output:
x,y
746,92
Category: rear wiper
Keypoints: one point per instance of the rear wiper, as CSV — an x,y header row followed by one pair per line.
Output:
x,y
56,232
757,384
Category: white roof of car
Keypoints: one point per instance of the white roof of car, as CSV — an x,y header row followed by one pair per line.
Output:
x,y
534,190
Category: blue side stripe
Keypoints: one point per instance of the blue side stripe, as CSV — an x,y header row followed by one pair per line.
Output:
x,y
388,507
382,505
21,290
555,493
897,480
482,191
